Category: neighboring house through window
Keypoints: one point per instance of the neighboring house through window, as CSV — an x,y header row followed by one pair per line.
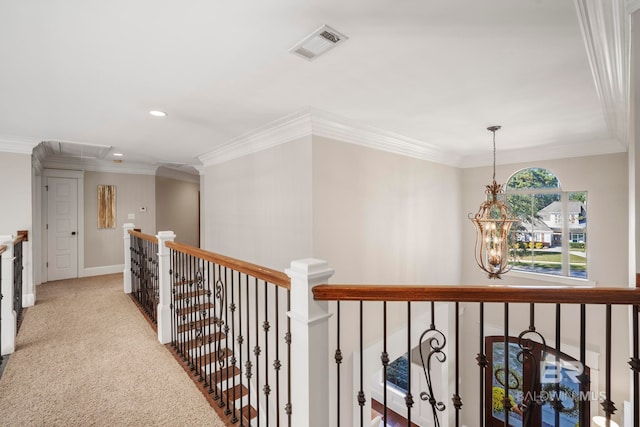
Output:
x,y
551,236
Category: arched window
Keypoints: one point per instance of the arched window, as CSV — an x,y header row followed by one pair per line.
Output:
x,y
551,237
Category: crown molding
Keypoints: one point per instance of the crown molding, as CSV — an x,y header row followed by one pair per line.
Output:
x,y
98,166
288,128
605,30
632,6
17,145
177,175
331,126
313,122
546,152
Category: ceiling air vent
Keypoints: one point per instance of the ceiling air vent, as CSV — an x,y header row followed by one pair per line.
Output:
x,y
318,42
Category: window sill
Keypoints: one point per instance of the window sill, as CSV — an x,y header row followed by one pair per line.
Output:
x,y
559,280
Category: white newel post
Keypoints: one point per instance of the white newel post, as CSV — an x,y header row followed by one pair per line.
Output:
x,y
9,320
127,257
309,344
164,284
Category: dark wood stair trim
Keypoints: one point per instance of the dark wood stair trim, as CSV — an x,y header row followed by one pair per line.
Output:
x,y
185,327
182,311
205,392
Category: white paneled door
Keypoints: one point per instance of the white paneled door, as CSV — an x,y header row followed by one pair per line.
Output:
x,y
62,228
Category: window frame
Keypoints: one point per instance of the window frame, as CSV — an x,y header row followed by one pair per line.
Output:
x,y
564,278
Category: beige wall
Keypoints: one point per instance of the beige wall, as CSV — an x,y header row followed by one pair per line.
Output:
x,y
258,208
104,247
15,193
384,218
177,209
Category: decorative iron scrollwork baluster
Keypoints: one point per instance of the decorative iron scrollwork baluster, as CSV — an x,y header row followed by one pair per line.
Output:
x,y
436,342
526,355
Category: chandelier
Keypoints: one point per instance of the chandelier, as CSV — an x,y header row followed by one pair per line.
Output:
x,y
493,222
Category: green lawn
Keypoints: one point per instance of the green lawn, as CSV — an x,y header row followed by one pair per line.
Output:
x,y
551,260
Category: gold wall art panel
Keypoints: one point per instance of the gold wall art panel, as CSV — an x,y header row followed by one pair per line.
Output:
x,y
106,206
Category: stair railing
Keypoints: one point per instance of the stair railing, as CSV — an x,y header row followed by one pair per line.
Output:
x,y
144,272
229,324
258,343
18,268
12,303
530,359
227,320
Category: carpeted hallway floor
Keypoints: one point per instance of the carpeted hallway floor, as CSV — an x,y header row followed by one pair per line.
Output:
x,y
85,356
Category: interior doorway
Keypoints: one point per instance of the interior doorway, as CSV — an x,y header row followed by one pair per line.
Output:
x,y
62,224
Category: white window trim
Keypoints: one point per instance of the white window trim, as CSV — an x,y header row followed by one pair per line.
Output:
x,y
560,280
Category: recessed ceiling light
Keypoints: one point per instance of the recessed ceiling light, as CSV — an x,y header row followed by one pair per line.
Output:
x,y
158,113
118,154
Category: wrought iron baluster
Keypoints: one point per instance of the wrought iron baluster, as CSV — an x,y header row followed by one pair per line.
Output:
x,y
481,358
528,357
584,378
184,304
209,362
266,326
384,358
409,397
257,350
240,338
361,398
506,402
457,400
233,361
436,341
192,317
201,318
607,405
276,363
248,364
557,402
221,355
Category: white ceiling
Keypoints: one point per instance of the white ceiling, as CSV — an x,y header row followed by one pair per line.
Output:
x,y
436,71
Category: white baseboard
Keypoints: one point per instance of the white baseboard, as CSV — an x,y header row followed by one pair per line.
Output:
x,y
100,271
28,300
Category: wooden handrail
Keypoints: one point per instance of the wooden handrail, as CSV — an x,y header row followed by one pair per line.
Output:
x,y
275,277
147,237
23,236
2,249
521,294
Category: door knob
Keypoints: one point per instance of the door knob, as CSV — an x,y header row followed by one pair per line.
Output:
x,y
73,233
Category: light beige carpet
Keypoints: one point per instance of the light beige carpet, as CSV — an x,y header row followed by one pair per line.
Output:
x,y
85,356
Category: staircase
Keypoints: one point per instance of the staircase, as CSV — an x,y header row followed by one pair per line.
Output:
x,y
203,344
